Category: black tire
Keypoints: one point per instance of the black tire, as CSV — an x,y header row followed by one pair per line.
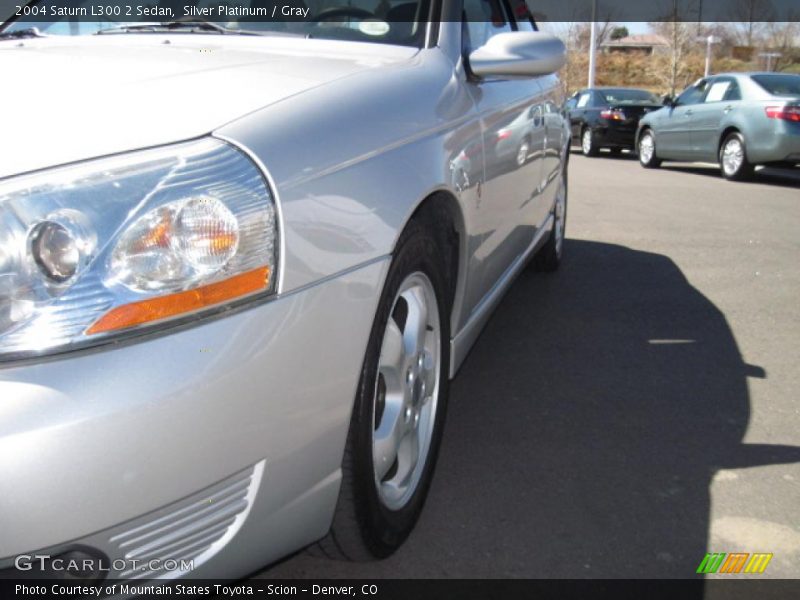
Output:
x,y
746,168
364,528
549,256
592,149
653,162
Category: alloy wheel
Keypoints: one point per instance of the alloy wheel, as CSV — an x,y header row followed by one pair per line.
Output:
x,y
732,156
647,148
406,391
586,142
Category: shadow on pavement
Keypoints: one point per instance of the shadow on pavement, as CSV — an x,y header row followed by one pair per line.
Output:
x,y
583,432
623,155
784,177
587,424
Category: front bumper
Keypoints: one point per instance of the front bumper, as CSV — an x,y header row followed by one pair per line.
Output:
x,y
251,408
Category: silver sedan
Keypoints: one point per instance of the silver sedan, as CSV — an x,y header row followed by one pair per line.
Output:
x,y
739,120
237,273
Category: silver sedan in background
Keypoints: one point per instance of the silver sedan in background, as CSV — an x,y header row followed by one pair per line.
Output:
x,y
739,120
238,268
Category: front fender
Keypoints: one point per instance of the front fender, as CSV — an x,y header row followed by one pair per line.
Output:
x,y
350,161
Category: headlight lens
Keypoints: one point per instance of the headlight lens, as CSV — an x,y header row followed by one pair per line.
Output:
x,y
116,245
55,250
182,241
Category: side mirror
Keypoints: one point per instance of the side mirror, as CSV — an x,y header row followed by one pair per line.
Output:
x,y
668,100
519,54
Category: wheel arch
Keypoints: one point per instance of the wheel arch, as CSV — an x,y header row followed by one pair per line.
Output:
x,y
442,215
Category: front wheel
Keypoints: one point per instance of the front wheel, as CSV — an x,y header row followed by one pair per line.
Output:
x,y
733,158
399,408
647,151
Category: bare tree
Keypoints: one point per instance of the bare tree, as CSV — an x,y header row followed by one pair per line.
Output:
x,y
782,38
574,72
680,38
749,20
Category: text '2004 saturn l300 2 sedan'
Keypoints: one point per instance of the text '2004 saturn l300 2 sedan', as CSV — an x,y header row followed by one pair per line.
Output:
x,y
240,263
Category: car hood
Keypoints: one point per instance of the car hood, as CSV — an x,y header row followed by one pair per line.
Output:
x,y
82,97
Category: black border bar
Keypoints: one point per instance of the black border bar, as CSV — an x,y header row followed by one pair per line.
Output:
x,y
271,10
417,589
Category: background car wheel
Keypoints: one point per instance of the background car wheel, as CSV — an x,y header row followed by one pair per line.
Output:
x,y
588,147
549,256
399,409
522,152
647,151
733,158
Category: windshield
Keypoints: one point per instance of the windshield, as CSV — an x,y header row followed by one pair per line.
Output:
x,y
628,96
400,22
779,84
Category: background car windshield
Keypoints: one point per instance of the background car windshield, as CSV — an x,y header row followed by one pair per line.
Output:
x,y
779,85
401,22
624,96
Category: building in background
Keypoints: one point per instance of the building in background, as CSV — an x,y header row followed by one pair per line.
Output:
x,y
646,44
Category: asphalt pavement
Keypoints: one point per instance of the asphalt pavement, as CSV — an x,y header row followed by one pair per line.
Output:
x,y
638,408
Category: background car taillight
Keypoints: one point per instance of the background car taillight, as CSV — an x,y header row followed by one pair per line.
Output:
x,y
612,114
785,113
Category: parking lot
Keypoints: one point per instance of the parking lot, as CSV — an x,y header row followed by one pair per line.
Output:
x,y
638,408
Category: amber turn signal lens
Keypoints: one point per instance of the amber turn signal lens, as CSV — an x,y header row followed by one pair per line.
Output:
x,y
164,307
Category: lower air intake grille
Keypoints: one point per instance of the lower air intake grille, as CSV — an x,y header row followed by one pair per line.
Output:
x,y
189,532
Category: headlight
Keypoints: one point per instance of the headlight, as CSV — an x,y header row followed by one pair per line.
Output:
x,y
117,245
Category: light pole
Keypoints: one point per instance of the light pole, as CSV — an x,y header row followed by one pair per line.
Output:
x,y
592,45
709,41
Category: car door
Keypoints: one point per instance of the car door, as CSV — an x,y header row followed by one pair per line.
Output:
x,y
723,97
674,133
547,134
511,114
554,140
